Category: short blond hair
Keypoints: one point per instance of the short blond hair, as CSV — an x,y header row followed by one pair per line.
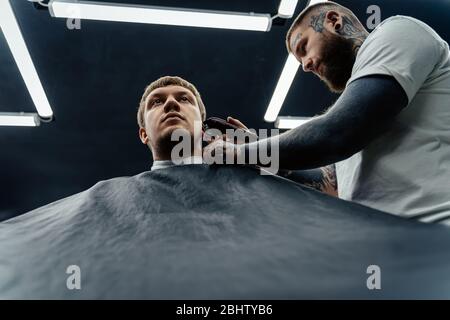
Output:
x,y
165,82
321,7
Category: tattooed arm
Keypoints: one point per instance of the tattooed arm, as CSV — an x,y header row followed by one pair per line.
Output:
x,y
362,113
322,179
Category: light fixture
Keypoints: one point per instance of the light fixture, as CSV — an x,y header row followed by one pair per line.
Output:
x,y
313,2
159,15
19,119
290,122
13,36
287,8
284,83
282,88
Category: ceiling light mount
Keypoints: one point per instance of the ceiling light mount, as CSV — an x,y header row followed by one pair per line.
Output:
x,y
40,4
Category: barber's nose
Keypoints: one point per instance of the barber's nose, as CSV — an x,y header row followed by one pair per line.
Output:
x,y
171,105
307,65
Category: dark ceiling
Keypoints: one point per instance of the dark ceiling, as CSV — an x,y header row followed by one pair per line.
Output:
x,y
94,78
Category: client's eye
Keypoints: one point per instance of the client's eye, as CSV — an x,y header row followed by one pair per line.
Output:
x,y
184,99
156,101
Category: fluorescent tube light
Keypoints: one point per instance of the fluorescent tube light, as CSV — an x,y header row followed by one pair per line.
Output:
x,y
19,119
11,31
311,2
284,83
287,8
159,15
282,88
290,122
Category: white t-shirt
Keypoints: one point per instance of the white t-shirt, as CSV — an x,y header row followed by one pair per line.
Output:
x,y
407,170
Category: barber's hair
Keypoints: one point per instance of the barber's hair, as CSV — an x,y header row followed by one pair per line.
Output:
x,y
319,7
165,82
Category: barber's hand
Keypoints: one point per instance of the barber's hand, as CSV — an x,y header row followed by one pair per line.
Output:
x,y
218,151
236,122
242,126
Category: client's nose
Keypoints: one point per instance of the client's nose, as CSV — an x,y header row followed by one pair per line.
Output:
x,y
171,105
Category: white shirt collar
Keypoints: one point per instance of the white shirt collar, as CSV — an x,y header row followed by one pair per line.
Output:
x,y
162,164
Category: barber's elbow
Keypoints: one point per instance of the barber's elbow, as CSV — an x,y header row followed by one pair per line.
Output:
x,y
343,147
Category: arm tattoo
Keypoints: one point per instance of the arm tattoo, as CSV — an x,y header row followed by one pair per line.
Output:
x,y
322,179
329,182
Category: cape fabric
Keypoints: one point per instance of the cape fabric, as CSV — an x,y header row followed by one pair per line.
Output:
x,y
199,232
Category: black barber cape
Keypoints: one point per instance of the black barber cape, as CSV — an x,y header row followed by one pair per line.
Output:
x,y
199,232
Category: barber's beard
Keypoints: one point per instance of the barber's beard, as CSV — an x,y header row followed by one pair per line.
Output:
x,y
338,58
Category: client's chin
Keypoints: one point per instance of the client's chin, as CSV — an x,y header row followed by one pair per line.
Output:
x,y
168,130
165,143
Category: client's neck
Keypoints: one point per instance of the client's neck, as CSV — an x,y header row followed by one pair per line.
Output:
x,y
166,155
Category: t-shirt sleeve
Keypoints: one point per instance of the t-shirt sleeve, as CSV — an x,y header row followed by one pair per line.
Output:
x,y
401,48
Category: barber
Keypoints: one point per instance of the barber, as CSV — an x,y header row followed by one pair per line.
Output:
x,y
385,143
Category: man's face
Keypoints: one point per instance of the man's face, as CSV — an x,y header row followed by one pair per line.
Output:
x,y
325,53
167,109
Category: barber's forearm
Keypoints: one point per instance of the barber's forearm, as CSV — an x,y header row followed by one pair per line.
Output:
x,y
314,144
363,112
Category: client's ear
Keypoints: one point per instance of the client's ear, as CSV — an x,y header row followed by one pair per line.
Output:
x,y
143,135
